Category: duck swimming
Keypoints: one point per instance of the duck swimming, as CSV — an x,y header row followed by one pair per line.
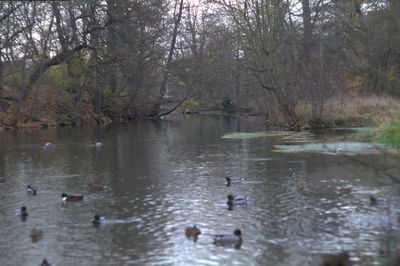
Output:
x,y
233,181
67,197
31,190
36,235
342,258
98,144
192,232
23,213
345,190
96,220
47,146
374,201
45,263
228,239
237,200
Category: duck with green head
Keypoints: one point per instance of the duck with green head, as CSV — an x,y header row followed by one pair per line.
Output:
x,y
71,197
237,200
375,201
233,181
96,220
45,263
228,239
23,212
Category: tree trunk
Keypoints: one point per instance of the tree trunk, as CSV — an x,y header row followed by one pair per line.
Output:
x,y
60,33
98,98
290,117
95,61
111,44
72,83
40,69
237,79
1,82
307,27
157,106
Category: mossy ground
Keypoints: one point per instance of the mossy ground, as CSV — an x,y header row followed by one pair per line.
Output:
x,y
390,134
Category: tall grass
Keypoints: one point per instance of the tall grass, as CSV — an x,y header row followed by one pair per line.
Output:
x,y
357,110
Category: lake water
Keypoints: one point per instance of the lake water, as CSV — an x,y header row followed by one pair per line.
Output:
x,y
163,176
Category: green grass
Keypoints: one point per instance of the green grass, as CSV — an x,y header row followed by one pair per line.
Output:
x,y
391,134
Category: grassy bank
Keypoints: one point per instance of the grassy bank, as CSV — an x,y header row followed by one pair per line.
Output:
x,y
356,111
380,113
390,134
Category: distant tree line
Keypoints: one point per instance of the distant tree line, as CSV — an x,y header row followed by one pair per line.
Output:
x,y
152,57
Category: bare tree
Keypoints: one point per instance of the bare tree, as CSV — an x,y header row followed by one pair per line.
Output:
x,y
165,72
67,47
9,31
269,45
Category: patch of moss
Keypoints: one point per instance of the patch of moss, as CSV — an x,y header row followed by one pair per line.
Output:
x,y
390,134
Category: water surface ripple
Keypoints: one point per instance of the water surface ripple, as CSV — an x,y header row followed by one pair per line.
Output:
x,y
164,176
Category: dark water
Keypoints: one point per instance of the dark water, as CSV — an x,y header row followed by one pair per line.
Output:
x,y
164,176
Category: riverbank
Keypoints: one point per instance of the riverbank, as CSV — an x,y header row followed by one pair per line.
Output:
x,y
54,108
380,113
355,111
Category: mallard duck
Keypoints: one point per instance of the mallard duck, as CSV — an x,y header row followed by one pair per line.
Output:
x,y
96,220
192,232
36,235
31,190
233,181
345,190
23,212
75,197
47,146
237,200
228,239
45,263
374,201
340,259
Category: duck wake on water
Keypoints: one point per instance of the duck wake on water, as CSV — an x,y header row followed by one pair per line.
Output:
x,y
97,220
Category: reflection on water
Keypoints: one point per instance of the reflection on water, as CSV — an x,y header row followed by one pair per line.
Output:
x,y
164,176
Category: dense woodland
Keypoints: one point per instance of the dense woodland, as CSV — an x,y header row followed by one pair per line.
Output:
x,y
92,62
